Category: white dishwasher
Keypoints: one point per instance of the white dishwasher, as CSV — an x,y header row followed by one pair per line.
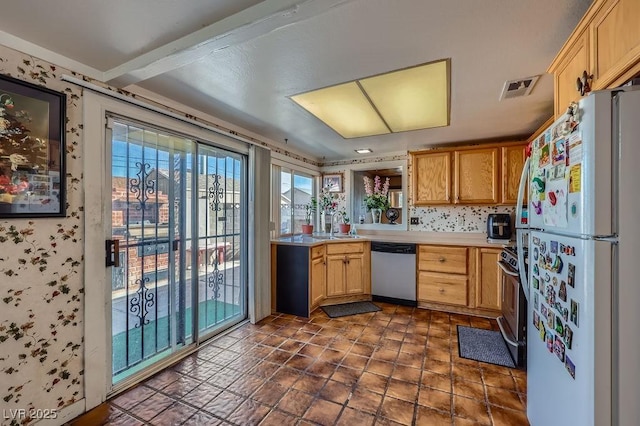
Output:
x,y
393,272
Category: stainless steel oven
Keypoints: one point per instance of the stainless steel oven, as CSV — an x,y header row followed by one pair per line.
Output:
x,y
513,322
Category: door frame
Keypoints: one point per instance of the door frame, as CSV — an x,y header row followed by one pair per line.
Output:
x,y
97,199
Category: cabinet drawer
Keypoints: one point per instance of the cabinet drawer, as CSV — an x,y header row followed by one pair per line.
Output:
x,y
443,259
342,248
317,251
442,288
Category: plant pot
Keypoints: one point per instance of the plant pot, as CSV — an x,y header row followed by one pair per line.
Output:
x,y
345,228
307,229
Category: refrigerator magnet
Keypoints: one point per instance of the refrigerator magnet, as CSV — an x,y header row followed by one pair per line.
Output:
x,y
536,283
543,247
536,320
574,312
570,366
543,332
558,348
562,293
575,178
551,319
549,340
555,281
536,270
559,327
536,302
558,151
536,241
535,253
565,314
543,310
568,337
553,247
557,265
545,158
571,278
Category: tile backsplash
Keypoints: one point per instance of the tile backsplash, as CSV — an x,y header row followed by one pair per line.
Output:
x,y
454,218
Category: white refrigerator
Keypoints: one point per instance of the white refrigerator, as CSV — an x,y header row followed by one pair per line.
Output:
x,y
583,241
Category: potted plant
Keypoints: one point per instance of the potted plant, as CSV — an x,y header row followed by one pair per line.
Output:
x,y
345,226
376,198
310,208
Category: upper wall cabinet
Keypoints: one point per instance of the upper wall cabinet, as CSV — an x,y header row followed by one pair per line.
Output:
x,y
431,178
476,176
513,158
605,45
481,174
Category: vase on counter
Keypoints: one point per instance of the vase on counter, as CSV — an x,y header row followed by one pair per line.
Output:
x,y
326,217
307,229
376,215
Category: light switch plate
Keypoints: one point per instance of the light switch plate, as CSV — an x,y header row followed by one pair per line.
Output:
x,y
415,220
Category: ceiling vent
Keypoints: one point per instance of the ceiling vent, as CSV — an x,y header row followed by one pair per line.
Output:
x,y
518,88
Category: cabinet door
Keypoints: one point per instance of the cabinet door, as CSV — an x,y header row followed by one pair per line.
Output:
x,y
575,62
318,281
513,158
488,284
431,182
354,274
336,275
615,35
476,176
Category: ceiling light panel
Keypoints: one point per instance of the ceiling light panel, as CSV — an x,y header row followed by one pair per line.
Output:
x,y
345,109
412,98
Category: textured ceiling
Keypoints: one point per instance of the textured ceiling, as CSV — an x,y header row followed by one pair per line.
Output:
x,y
246,74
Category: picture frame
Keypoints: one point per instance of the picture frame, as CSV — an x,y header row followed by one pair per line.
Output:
x,y
32,150
334,182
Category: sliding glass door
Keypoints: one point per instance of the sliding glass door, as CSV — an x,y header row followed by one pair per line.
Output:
x,y
178,215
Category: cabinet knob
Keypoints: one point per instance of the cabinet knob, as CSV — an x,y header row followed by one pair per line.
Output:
x,y
442,260
441,291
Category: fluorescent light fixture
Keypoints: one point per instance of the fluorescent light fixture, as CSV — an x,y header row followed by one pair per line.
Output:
x,y
398,101
364,151
345,109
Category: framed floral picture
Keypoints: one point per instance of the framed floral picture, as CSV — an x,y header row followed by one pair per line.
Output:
x,y
333,182
32,150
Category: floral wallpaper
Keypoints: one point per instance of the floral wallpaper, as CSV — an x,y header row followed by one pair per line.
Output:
x,y
41,277
454,218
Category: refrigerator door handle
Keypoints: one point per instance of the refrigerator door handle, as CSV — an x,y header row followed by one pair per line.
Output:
x,y
521,268
524,180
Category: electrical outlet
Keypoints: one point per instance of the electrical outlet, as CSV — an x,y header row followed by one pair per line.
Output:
x,y
415,221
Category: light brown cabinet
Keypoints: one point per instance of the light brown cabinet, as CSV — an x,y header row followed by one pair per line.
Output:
x,y
605,44
348,269
483,174
476,176
459,279
442,275
318,280
513,158
488,282
432,178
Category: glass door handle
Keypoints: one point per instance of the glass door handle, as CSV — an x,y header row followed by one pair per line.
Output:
x,y
112,248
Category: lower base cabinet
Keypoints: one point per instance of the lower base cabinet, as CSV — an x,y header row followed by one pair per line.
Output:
x,y
307,277
459,279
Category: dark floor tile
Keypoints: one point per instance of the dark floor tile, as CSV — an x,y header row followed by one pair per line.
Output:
x,y
202,395
402,390
323,412
249,413
335,391
365,400
346,375
471,409
270,393
224,404
278,418
504,398
382,368
437,381
407,374
469,389
351,417
310,384
150,407
133,397
431,417
175,414
124,420
373,382
202,419
435,399
397,410
497,380
295,402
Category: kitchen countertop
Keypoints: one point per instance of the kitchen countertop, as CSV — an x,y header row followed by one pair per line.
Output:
x,y
470,239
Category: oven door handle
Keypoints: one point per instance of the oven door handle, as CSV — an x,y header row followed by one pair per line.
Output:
x,y
504,333
507,271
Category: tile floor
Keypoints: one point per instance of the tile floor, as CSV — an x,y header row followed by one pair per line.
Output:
x,y
399,366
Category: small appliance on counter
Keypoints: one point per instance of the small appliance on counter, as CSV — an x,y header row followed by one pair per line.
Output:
x,y
499,227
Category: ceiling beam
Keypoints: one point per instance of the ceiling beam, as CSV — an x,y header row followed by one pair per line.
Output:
x,y
250,23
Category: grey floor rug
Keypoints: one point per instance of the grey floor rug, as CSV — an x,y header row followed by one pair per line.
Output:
x,y
345,309
483,345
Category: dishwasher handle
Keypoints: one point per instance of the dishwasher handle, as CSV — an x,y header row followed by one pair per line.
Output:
x,y
400,248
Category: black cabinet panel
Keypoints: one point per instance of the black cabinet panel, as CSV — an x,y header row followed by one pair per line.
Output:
x,y
292,280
